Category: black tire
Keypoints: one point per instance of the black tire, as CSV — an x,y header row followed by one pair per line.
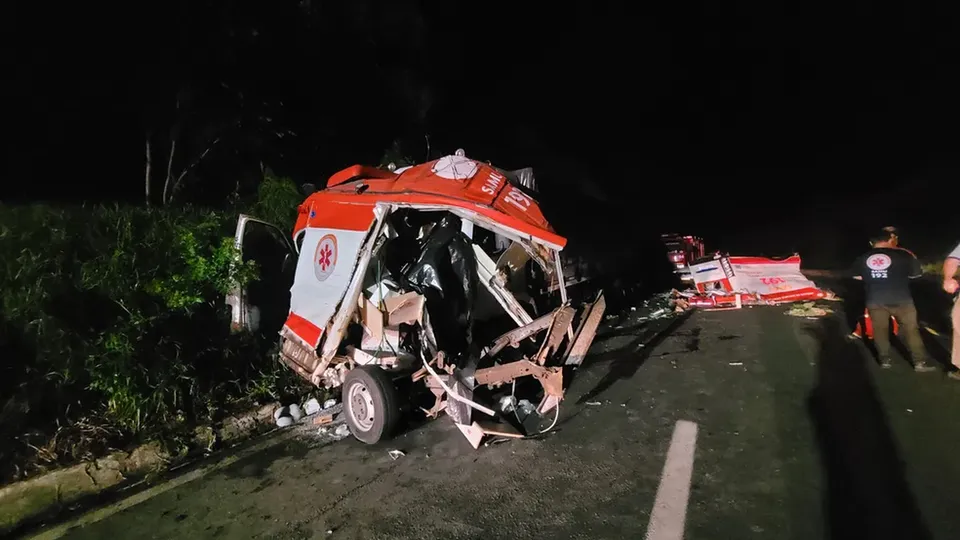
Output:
x,y
365,385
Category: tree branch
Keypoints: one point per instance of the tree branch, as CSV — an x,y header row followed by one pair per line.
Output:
x,y
174,135
146,173
176,184
166,183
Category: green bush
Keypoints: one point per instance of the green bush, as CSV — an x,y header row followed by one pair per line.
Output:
x,y
277,201
114,316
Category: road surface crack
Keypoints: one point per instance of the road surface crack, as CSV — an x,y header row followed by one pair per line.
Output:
x,y
322,511
336,502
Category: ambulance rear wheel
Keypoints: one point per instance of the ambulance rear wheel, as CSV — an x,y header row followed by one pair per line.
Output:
x,y
371,404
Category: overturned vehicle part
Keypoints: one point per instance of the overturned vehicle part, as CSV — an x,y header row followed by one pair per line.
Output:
x,y
723,281
440,282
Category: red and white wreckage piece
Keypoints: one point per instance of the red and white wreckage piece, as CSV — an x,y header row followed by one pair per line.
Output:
x,y
728,281
430,281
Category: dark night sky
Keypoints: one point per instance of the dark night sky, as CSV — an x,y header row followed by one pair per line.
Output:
x,y
715,116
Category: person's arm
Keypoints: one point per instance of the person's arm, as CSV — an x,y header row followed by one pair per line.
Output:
x,y
950,266
856,269
915,269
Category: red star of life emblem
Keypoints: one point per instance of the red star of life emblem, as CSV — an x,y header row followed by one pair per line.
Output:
x,y
326,255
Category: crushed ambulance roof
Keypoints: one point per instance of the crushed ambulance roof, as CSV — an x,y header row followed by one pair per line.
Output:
x,y
451,181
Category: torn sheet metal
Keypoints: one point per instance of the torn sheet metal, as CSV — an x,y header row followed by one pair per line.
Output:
x,y
586,331
559,326
737,281
495,283
456,390
512,262
322,277
347,306
514,337
381,325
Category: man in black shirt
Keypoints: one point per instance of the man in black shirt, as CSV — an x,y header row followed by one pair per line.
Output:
x,y
886,271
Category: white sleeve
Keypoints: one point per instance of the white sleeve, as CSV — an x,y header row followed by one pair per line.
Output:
x,y
955,254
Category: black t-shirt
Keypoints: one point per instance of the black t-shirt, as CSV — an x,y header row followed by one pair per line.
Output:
x,y
886,274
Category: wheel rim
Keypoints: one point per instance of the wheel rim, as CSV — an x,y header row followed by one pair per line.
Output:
x,y
361,406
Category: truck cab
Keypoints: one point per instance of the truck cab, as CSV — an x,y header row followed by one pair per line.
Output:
x,y
682,250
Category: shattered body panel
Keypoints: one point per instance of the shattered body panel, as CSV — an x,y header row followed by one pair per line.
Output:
x,y
429,273
727,280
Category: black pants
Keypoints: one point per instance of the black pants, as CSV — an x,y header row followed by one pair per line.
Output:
x,y
906,315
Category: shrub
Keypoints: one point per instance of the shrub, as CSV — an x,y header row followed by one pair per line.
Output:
x,y
114,316
277,201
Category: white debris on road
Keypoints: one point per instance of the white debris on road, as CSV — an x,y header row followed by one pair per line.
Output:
x,y
311,407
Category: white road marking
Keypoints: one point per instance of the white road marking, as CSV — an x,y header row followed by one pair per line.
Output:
x,y
669,513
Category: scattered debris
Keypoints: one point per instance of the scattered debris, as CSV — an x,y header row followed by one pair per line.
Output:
x,y
593,403
524,409
311,407
496,440
396,454
808,309
735,364
663,305
508,404
295,412
288,415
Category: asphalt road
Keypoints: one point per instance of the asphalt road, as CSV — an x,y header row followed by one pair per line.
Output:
x,y
800,436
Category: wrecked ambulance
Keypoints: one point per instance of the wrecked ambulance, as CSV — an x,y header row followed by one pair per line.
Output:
x,y
437,286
